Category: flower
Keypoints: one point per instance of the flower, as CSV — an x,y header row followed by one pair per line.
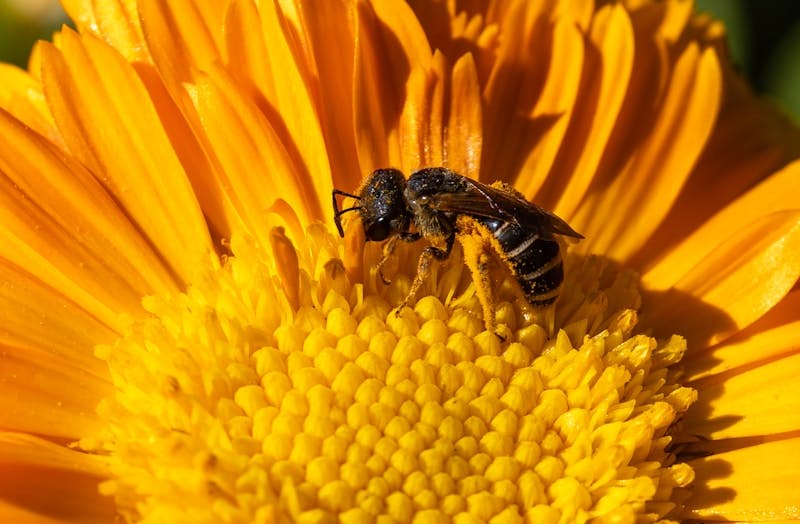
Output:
x,y
185,339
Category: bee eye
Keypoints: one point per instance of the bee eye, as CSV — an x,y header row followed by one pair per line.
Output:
x,y
379,230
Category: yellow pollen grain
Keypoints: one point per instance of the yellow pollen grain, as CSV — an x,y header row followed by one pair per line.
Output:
x,y
334,408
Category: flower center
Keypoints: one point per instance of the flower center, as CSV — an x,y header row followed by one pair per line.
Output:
x,y
241,402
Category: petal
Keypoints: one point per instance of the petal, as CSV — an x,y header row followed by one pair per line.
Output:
x,y
528,110
28,450
389,43
323,23
441,120
264,56
751,141
81,13
609,63
759,400
776,193
775,335
126,146
19,515
60,224
739,281
116,21
21,95
51,381
756,483
635,201
58,484
183,36
181,123
576,12
252,153
420,127
404,27
464,128
48,395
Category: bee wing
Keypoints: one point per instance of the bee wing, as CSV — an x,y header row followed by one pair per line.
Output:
x,y
490,202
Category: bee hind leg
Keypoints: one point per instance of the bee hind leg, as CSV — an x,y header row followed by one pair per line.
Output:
x,y
477,260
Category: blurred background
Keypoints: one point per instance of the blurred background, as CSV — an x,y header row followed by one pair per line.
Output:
x,y
764,39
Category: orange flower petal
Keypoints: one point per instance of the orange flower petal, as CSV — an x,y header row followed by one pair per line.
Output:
x,y
739,280
403,26
268,61
323,23
776,193
751,142
756,483
21,95
126,145
760,400
610,59
439,127
20,448
61,225
117,22
60,485
47,394
183,36
51,380
465,126
554,105
81,12
382,64
421,124
774,335
253,153
36,316
19,515
637,199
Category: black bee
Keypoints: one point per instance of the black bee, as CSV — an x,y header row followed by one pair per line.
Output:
x,y
443,206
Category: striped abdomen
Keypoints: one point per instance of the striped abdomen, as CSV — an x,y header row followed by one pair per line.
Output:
x,y
535,262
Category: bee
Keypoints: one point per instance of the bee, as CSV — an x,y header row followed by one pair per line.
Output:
x,y
442,206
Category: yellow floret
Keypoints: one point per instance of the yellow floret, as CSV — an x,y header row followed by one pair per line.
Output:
x,y
339,409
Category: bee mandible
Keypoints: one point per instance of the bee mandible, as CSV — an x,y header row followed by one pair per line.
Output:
x,y
443,206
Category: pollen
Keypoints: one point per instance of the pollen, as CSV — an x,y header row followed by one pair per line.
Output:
x,y
244,401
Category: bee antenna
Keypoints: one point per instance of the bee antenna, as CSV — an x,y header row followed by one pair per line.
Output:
x,y
337,213
337,218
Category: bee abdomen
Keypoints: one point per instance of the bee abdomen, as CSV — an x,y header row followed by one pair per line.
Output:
x,y
536,262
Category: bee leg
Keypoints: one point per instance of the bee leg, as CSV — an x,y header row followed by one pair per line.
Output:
x,y
477,260
410,237
424,267
388,248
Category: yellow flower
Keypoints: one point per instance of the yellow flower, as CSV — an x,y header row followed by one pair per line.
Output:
x,y
185,339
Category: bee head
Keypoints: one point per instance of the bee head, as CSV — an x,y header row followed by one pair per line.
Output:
x,y
383,207
381,204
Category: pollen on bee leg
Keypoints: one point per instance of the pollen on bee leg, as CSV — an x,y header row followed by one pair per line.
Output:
x,y
477,261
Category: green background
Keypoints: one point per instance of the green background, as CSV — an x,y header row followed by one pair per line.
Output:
x,y
764,39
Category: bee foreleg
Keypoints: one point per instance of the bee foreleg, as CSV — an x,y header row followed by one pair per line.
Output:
x,y
410,237
424,266
388,248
